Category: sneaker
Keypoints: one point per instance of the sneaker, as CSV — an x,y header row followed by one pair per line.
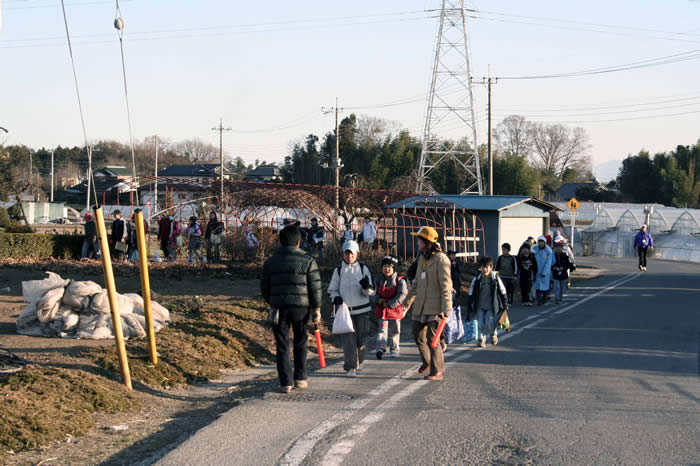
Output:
x,y
423,368
351,373
301,384
482,342
286,389
437,376
644,269
360,366
380,354
394,354
641,268
494,340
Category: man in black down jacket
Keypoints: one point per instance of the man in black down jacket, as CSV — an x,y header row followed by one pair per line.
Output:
x,y
291,283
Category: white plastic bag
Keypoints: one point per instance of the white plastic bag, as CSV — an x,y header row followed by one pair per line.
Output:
x,y
342,323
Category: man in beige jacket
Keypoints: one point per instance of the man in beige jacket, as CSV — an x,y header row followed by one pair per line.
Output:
x,y
433,290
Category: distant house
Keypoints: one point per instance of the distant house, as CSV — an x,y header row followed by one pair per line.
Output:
x,y
117,172
263,173
195,171
568,190
112,185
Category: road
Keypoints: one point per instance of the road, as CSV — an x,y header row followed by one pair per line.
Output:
x,y
609,376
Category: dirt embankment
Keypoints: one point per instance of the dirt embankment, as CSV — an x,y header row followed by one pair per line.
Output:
x,y
69,404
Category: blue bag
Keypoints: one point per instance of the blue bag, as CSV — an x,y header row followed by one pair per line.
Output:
x,y
471,330
454,330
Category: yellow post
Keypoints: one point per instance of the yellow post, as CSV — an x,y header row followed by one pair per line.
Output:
x,y
146,285
112,296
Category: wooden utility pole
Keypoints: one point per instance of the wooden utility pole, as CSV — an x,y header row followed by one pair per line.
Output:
x,y
336,161
221,130
155,174
489,81
52,176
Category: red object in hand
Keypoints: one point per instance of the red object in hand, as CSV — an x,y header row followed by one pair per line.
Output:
x,y
440,329
319,345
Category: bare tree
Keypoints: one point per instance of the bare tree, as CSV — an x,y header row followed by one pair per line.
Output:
x,y
197,150
372,130
513,136
556,147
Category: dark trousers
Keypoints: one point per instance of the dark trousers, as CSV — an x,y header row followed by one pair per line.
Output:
x,y
541,296
509,283
165,247
642,256
296,319
525,286
424,333
355,344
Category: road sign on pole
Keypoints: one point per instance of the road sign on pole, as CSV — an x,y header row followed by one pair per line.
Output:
x,y
573,204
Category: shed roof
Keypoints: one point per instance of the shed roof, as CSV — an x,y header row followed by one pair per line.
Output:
x,y
472,202
201,170
263,170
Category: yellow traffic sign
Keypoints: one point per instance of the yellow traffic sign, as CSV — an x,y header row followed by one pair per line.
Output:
x,y
573,204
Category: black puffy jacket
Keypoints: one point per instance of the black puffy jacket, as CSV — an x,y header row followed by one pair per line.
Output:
x,y
291,279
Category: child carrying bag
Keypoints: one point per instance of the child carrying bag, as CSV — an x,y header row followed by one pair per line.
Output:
x,y
342,323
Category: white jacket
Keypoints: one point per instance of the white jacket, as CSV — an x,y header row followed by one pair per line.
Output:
x,y
348,287
369,232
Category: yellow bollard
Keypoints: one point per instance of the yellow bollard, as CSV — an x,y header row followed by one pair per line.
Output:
x,y
112,295
146,285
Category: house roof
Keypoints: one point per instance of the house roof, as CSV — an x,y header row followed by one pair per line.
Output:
x,y
263,170
115,170
472,202
199,170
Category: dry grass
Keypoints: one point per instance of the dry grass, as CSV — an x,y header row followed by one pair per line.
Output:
x,y
44,404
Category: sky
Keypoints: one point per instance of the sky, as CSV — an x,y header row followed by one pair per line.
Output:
x,y
267,69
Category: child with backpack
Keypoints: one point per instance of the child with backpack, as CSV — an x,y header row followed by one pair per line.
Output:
x,y
527,266
507,268
351,285
390,297
194,239
487,299
560,271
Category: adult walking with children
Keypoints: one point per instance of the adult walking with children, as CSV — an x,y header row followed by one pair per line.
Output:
x,y
433,290
291,285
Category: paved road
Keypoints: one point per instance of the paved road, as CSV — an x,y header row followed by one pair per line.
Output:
x,y
610,376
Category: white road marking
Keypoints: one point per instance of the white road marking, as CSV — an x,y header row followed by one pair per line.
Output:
x,y
303,446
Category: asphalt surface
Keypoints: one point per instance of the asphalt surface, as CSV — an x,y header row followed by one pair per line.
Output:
x,y
610,376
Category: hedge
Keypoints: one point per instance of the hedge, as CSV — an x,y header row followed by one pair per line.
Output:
x,y
39,246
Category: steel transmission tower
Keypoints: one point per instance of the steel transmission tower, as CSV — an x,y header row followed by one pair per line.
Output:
x,y
450,107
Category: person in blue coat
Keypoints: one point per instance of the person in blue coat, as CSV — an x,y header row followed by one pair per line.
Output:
x,y
543,256
643,242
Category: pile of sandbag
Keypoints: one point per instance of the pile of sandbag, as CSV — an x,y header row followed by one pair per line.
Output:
x,y
80,309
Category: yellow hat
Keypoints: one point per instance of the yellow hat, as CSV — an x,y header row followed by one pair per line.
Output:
x,y
427,233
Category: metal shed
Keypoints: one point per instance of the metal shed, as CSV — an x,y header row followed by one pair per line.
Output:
x,y
505,219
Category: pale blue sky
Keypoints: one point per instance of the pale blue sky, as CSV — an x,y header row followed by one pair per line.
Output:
x,y
263,65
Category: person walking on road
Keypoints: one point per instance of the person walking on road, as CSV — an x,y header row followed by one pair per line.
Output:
x,y
194,239
165,231
560,270
392,291
644,243
119,234
487,299
433,290
507,268
291,283
352,284
527,266
368,234
543,257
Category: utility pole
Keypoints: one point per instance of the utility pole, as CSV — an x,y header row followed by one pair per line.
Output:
x,y
89,176
336,161
489,82
155,189
221,130
52,175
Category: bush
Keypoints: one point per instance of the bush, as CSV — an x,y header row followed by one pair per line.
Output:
x,y
4,218
16,227
39,246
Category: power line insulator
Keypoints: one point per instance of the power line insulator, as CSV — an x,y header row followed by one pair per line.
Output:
x,y
119,23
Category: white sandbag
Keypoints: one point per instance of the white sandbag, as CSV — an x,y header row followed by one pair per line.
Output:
x,y
100,304
160,313
27,316
70,320
33,290
48,305
89,323
65,321
78,294
100,333
133,326
32,329
48,330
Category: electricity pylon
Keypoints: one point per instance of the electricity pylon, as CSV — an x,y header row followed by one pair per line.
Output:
x,y
450,107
